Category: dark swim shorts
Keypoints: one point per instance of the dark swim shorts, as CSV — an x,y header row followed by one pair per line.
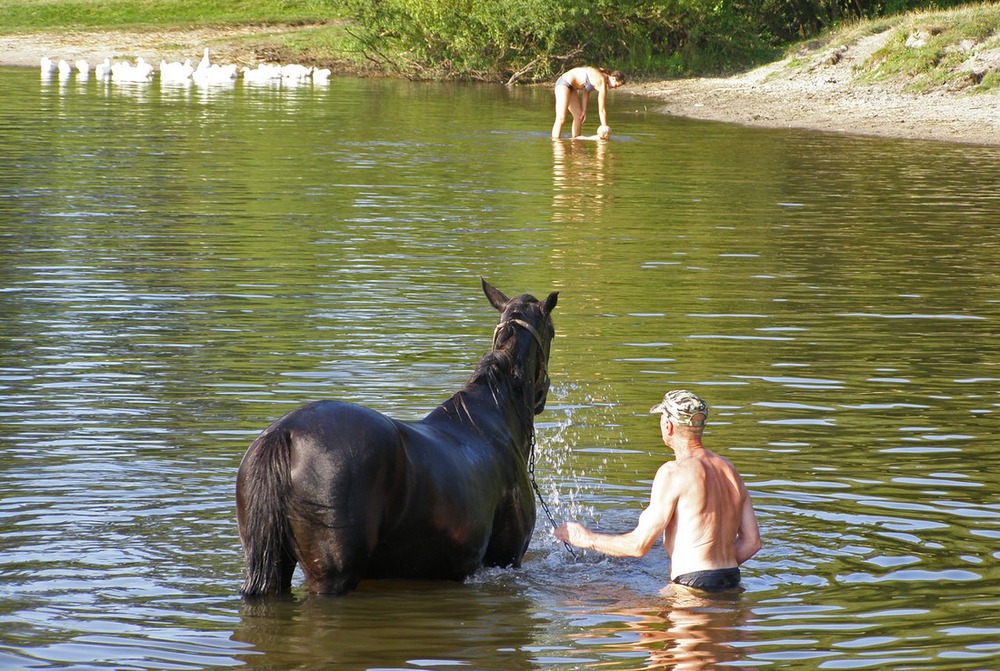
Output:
x,y
715,580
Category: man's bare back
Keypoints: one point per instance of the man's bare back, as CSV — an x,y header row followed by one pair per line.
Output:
x,y
698,504
710,498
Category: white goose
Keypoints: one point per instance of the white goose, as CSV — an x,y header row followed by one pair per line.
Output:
x,y
177,73
321,76
262,74
83,67
295,72
65,69
103,70
48,66
207,74
141,72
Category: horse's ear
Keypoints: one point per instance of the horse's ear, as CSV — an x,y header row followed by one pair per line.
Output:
x,y
497,298
550,302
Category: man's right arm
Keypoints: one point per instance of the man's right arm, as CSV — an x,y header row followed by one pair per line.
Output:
x,y
636,543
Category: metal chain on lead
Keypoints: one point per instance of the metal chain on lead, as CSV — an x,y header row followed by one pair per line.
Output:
x,y
538,492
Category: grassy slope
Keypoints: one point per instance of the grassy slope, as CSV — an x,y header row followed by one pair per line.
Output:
x,y
953,50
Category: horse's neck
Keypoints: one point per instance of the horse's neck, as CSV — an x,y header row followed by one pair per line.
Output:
x,y
488,411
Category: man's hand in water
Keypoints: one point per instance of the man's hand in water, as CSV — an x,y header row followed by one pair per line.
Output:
x,y
574,534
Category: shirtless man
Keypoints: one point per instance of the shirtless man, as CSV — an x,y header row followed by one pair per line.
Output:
x,y
698,503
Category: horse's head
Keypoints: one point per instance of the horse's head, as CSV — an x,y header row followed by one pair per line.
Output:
x,y
526,314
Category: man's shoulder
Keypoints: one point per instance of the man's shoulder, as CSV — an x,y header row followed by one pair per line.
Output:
x,y
666,469
705,461
707,456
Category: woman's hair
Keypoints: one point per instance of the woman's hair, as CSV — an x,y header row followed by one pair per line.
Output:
x,y
617,74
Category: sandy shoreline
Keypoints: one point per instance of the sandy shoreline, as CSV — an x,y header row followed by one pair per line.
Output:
x,y
933,116
820,92
817,93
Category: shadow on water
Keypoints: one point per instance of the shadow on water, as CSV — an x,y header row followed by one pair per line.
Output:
x,y
392,625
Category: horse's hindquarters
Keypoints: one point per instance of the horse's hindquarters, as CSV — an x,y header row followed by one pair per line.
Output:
x,y
346,462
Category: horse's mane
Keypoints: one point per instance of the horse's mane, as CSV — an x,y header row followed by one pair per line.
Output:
x,y
499,372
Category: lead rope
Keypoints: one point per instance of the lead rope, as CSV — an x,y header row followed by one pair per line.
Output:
x,y
538,492
531,453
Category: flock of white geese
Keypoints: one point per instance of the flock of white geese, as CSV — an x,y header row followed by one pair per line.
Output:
x,y
205,73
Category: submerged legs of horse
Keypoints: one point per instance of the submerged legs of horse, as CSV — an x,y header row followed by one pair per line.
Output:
x,y
333,558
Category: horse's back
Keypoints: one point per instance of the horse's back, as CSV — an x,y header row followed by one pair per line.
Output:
x,y
333,426
428,491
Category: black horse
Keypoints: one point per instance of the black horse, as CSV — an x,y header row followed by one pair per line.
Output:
x,y
350,493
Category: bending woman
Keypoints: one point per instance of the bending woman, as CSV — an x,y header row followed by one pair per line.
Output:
x,y
573,93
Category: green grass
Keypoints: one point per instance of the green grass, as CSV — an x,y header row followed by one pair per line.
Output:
x,y
326,46
37,15
929,49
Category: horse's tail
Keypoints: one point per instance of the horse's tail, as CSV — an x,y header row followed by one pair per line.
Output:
x,y
262,490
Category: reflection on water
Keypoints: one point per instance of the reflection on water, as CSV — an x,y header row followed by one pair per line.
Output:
x,y
579,185
686,632
183,266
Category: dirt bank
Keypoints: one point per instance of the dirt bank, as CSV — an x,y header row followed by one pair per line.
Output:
x,y
822,91
817,90
244,45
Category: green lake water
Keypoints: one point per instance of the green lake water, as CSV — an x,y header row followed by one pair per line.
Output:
x,y
182,266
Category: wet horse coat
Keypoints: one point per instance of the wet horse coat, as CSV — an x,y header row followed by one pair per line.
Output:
x,y
349,493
